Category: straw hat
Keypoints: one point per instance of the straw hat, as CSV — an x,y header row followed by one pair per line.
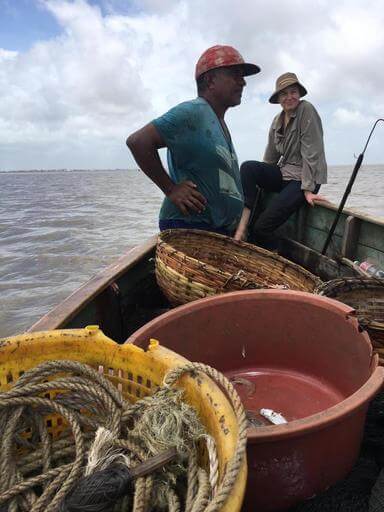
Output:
x,y
284,81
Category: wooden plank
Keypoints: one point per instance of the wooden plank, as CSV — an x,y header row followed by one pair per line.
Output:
x,y
322,219
372,236
315,239
67,310
350,237
104,310
301,222
369,240
354,213
323,266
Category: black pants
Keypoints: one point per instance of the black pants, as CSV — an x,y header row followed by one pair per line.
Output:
x,y
268,177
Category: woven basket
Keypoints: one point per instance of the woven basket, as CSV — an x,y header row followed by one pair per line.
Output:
x,y
366,296
191,264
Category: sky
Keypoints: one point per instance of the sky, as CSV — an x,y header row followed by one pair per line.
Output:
x,y
77,77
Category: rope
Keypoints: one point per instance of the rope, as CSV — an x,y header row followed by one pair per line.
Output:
x,y
233,467
38,473
213,463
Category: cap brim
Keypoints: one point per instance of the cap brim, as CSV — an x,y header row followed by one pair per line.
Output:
x,y
250,69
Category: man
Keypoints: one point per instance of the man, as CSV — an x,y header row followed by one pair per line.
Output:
x,y
203,189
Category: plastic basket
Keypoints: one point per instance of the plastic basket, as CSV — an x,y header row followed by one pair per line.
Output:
x,y
192,264
136,373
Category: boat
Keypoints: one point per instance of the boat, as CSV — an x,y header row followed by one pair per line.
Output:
x,y
125,296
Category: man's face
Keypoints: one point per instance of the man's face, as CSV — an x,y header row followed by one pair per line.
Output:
x,y
228,85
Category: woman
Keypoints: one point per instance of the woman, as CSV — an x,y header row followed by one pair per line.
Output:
x,y
294,162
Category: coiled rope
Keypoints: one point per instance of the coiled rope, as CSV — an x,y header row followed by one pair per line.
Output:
x,y
38,472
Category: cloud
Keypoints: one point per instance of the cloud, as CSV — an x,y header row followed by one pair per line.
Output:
x,y
347,117
7,55
71,100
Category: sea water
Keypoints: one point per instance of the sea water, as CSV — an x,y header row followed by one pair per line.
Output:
x,y
59,228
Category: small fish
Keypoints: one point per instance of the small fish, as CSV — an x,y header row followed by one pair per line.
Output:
x,y
274,417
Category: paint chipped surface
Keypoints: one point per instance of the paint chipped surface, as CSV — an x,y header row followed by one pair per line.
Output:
x,y
223,425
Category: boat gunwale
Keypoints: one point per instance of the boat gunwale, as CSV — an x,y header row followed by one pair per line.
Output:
x,y
351,212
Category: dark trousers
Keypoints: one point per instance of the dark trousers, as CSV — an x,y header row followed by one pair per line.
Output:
x,y
255,175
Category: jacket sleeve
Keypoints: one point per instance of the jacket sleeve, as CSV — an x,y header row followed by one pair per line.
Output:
x,y
271,155
312,149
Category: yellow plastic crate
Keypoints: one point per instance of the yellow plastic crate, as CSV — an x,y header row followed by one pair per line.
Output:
x,y
136,373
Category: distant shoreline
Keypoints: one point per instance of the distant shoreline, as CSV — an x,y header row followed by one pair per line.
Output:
x,y
61,170
14,171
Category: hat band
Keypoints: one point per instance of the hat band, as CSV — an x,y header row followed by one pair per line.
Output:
x,y
285,82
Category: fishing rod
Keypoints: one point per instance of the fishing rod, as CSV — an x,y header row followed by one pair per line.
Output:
x,y
348,189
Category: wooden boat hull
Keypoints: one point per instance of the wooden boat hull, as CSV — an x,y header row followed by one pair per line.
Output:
x,y
125,295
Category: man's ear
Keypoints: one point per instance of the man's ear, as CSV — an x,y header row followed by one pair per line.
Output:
x,y
210,79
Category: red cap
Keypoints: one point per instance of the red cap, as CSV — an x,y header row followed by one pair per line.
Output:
x,y
220,56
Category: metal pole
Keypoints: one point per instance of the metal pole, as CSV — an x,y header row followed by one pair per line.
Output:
x,y
343,201
347,191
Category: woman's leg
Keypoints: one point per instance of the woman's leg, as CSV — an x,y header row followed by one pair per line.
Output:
x,y
241,232
255,176
259,174
278,211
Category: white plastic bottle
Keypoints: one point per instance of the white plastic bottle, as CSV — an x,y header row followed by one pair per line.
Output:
x,y
371,269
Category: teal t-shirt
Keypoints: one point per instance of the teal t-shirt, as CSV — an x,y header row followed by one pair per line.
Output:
x,y
198,150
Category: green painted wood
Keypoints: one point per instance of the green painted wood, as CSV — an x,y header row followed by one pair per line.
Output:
x,y
372,235
315,239
318,222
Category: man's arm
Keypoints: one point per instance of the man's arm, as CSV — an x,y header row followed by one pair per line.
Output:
x,y
144,145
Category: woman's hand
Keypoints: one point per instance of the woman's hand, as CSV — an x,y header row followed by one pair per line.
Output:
x,y
312,198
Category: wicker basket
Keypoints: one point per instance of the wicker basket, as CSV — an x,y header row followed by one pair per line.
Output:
x,y
191,264
366,296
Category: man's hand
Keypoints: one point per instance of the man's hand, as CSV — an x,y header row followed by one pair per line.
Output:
x,y
185,196
312,198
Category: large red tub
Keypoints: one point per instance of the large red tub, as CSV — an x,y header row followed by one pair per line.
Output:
x,y
298,354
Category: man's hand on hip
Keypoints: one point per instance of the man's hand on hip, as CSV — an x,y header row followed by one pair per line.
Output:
x,y
187,198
